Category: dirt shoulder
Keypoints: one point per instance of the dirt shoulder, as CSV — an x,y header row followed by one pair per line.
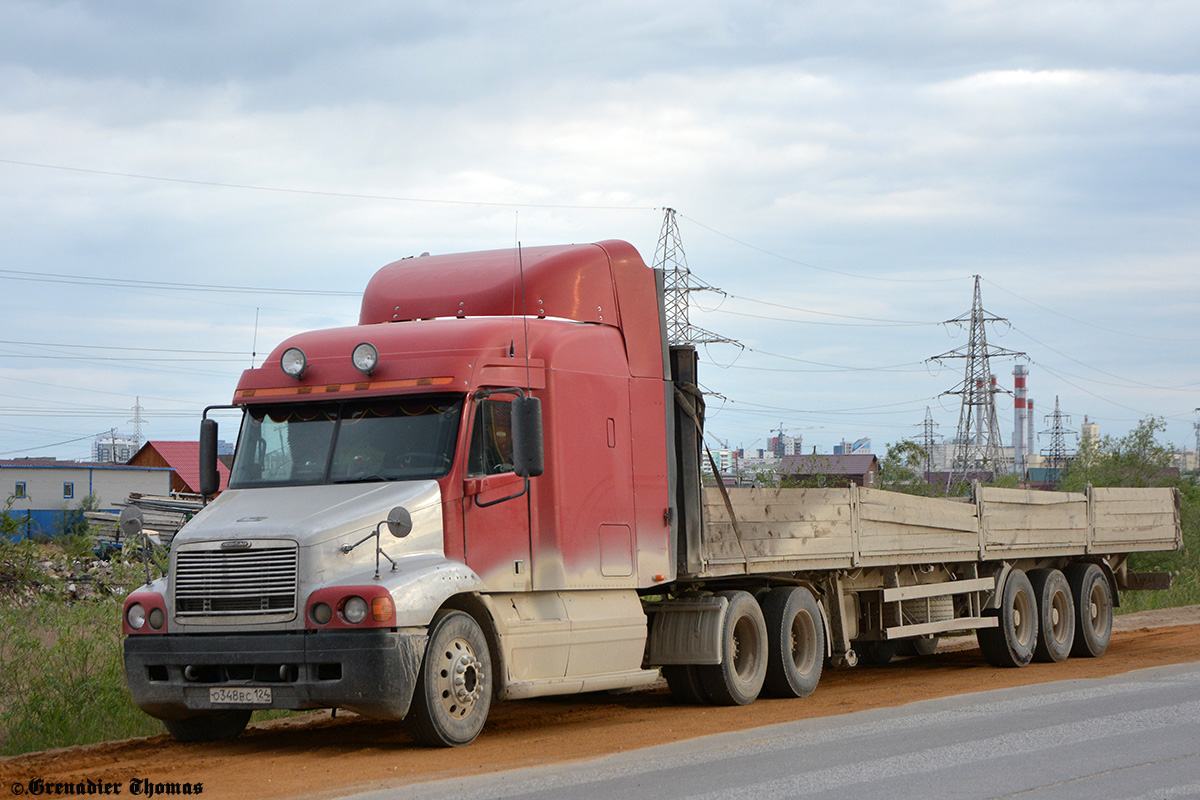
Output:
x,y
316,756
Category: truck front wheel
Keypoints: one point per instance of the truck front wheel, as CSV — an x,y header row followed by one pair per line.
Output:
x,y
454,689
212,726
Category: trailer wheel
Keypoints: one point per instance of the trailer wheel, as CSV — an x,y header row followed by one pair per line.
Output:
x,y
685,685
1056,615
1093,610
795,642
878,654
213,726
1011,643
919,646
454,689
738,679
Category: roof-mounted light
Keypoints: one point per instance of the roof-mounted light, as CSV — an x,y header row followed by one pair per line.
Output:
x,y
365,358
293,362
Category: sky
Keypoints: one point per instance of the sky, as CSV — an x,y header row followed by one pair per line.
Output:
x,y
183,185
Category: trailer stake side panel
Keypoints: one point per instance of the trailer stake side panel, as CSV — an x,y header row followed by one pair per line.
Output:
x,y
792,530
1028,522
1129,520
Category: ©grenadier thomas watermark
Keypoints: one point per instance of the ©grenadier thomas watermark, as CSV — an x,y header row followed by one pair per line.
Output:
x,y
135,787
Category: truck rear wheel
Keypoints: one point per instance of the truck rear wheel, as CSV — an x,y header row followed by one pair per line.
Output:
x,y
1056,615
1093,610
454,689
684,683
795,642
738,679
1011,643
211,726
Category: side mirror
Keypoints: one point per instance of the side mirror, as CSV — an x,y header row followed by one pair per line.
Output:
x,y
210,481
529,459
130,521
399,522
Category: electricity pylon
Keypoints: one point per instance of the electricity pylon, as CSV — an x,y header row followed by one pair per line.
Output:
x,y
679,283
1056,454
978,446
927,437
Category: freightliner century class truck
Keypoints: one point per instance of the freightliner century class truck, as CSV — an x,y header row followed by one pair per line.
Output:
x,y
490,488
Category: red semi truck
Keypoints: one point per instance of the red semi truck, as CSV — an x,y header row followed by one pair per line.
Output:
x,y
490,488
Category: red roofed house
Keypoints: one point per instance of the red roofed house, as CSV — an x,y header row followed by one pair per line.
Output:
x,y
184,460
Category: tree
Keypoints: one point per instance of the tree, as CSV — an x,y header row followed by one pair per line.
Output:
x,y
1135,459
900,469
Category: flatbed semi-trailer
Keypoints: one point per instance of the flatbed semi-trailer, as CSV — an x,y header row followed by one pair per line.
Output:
x,y
490,488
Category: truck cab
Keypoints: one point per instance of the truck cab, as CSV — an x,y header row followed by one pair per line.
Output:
x,y
507,412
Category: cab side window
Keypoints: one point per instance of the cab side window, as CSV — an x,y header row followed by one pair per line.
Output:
x,y
491,439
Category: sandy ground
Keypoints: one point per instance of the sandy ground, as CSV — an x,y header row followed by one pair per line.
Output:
x,y
316,756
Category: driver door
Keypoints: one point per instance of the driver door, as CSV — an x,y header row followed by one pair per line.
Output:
x,y
495,505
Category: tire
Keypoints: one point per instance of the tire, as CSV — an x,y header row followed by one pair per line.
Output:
x,y
878,654
919,646
685,685
1056,615
454,689
738,679
1093,610
213,726
795,642
1011,643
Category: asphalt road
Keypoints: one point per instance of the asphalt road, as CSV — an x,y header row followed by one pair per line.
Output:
x,y
1136,735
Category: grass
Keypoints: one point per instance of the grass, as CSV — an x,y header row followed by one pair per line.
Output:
x,y
62,674
62,680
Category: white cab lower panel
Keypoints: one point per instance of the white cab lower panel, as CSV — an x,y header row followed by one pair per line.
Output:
x,y
569,642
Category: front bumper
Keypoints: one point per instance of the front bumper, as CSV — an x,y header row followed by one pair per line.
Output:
x,y
371,672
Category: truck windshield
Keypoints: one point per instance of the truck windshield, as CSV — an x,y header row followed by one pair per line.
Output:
x,y
295,445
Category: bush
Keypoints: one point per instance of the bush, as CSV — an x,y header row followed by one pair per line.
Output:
x,y
1139,459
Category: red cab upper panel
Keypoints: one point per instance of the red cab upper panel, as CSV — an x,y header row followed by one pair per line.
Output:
x,y
450,309
605,283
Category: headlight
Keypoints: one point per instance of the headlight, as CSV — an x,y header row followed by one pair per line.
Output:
x,y
365,357
321,613
135,615
355,610
293,362
157,618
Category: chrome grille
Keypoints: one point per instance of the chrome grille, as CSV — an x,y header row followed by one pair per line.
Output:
x,y
210,582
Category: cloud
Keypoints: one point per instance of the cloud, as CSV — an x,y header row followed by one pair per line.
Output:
x,y
855,158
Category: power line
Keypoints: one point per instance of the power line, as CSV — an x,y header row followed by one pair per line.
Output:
x,y
899,322
814,266
1130,383
129,283
118,347
1087,323
56,444
315,192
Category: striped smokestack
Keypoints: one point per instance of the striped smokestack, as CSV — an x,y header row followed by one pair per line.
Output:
x,y
1020,371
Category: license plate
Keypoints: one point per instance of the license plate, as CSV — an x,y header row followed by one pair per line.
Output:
x,y
255,696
